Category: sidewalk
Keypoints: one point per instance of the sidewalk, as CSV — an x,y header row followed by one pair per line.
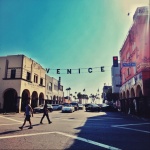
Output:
x,y
137,117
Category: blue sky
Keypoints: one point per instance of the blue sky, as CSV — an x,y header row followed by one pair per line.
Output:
x,y
68,34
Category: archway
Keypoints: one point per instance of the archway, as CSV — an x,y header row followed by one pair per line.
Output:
x,y
34,99
132,93
141,102
25,97
41,98
57,100
139,91
51,99
10,100
127,94
124,95
120,95
54,99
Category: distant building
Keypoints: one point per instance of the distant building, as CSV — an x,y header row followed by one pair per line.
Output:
x,y
54,91
116,82
105,90
66,100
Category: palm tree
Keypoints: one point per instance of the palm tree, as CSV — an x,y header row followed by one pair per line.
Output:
x,y
70,96
79,95
93,97
67,92
68,89
74,97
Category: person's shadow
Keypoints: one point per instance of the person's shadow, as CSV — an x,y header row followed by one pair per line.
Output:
x,y
12,131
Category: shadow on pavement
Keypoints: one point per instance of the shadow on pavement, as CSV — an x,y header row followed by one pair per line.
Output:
x,y
13,131
9,132
97,133
89,137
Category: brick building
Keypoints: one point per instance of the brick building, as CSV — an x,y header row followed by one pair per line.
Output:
x,y
135,80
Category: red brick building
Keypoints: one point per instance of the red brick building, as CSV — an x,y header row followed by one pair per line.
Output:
x,y
135,80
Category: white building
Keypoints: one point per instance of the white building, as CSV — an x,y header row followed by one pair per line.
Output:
x,y
21,79
116,82
54,91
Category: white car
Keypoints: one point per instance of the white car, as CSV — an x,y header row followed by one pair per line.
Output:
x,y
40,108
68,108
81,106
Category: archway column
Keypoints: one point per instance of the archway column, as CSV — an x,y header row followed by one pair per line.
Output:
x,y
18,104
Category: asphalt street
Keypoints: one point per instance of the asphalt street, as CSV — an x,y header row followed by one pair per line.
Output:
x,y
76,131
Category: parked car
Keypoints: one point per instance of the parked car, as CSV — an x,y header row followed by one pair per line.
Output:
x,y
50,107
75,105
81,107
68,108
105,107
86,105
93,107
40,108
57,107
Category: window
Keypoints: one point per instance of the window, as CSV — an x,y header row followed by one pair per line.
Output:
x,y
35,78
28,76
55,87
127,56
41,81
134,70
13,73
61,88
123,77
128,71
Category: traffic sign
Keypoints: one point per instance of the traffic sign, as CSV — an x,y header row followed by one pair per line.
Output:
x,y
130,64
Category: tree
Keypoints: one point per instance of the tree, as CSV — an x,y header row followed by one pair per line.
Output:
x,y
68,89
74,97
79,95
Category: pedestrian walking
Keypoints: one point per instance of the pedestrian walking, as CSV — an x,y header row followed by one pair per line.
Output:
x,y
45,113
28,113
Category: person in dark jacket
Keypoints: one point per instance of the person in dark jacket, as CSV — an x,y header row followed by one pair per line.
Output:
x,y
45,113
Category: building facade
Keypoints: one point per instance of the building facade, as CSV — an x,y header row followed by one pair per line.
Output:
x,y
116,82
21,79
135,79
106,88
54,91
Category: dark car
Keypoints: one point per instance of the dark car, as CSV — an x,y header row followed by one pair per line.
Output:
x,y
86,105
105,107
75,105
93,107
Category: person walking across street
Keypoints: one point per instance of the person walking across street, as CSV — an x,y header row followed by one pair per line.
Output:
x,y
45,113
28,112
